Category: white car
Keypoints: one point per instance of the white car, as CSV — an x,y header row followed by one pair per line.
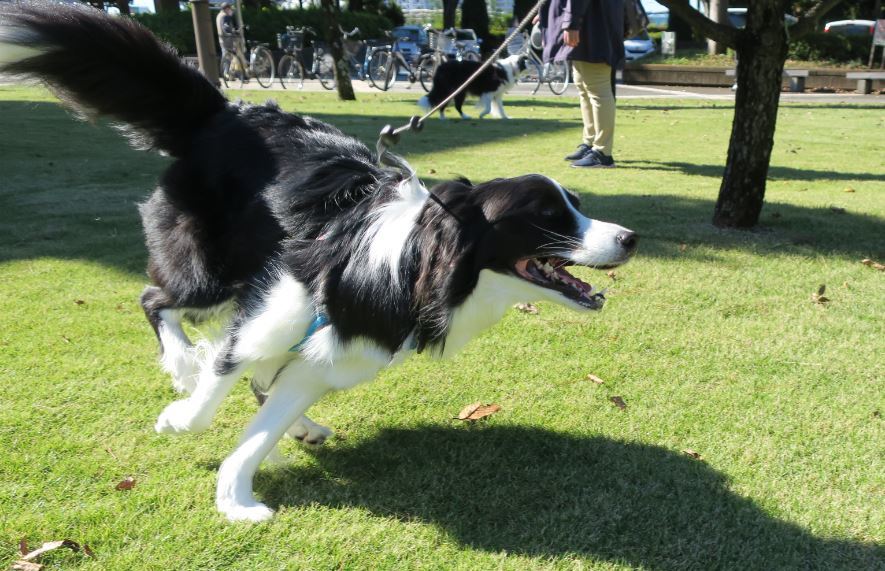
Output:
x,y
851,27
639,47
738,18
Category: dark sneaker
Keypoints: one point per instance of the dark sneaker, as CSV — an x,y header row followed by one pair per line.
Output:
x,y
595,159
579,153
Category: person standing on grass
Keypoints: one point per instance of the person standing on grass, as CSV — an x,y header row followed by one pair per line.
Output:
x,y
589,34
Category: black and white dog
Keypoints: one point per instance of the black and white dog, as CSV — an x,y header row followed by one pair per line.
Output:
x,y
329,267
490,86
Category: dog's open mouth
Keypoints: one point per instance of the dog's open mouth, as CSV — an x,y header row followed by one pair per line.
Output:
x,y
550,273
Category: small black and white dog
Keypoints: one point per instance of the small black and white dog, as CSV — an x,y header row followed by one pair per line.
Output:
x,y
490,86
328,267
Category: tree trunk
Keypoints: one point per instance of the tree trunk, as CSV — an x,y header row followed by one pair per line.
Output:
x,y
450,7
123,7
336,46
163,6
762,50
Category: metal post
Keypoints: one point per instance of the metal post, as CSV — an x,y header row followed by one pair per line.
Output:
x,y
719,14
206,53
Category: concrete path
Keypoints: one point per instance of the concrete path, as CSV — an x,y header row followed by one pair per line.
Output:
x,y
624,92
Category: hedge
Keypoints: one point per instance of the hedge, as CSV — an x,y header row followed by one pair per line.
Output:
x,y
833,47
264,25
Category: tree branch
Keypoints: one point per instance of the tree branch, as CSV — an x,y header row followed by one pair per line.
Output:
x,y
809,21
705,26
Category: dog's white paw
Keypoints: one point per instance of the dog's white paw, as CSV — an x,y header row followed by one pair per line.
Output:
x,y
178,418
246,511
309,432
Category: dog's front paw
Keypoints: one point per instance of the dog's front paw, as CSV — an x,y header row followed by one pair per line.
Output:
x,y
178,418
309,432
247,511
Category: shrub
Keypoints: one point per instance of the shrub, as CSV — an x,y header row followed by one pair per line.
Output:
x,y
177,28
833,47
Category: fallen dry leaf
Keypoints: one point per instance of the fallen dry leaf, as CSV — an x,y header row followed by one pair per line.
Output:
x,y
872,264
837,210
126,484
529,308
612,275
79,301
88,551
849,189
111,452
691,453
23,565
23,547
49,546
618,402
819,297
432,171
595,379
65,339
683,247
477,411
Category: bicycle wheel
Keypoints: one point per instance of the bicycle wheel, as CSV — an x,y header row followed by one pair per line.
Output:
x,y
324,69
233,72
382,69
425,72
290,72
531,76
558,76
261,66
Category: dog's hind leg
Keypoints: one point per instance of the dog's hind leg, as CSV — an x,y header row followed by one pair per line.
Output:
x,y
294,391
177,354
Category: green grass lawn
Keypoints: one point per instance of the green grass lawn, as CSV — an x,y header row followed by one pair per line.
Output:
x,y
709,336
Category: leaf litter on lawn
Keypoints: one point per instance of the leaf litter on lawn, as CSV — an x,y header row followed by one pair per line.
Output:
x,y
477,411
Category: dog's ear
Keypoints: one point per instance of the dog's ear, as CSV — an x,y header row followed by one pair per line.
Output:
x,y
464,180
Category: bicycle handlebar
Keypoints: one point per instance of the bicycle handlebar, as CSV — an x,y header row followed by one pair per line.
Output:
x,y
349,34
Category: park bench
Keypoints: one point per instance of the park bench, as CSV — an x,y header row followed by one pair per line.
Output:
x,y
796,76
865,79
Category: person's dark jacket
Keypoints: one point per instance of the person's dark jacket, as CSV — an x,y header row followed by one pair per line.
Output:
x,y
601,23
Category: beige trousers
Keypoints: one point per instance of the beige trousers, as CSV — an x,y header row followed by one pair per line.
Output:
x,y
593,81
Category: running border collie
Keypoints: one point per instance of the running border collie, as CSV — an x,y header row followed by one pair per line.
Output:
x,y
490,86
329,267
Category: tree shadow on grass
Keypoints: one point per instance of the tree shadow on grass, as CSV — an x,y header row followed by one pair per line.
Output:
x,y
543,494
775,172
69,191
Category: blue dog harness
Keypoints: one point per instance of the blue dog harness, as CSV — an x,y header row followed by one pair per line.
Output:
x,y
321,320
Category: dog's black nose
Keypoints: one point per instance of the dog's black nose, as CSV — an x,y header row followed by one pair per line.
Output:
x,y
628,240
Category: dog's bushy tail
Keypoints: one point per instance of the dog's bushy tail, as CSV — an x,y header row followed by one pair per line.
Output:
x,y
101,65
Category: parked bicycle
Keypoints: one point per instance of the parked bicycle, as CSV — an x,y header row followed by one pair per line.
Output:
x,y
357,54
292,68
235,69
555,74
387,62
445,46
